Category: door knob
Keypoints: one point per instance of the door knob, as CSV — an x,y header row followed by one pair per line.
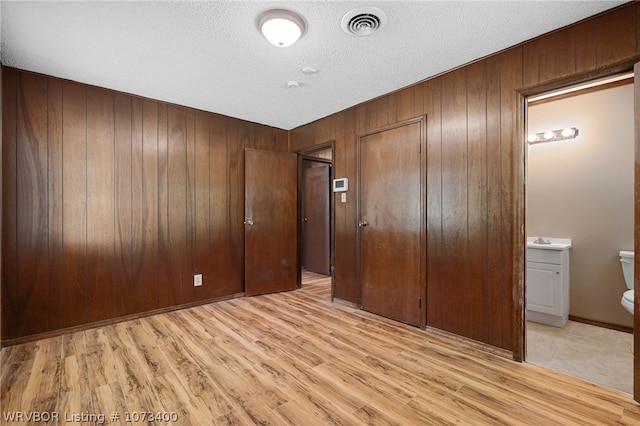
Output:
x,y
363,223
304,220
248,222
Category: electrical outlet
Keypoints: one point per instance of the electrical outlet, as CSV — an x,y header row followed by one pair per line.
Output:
x,y
197,280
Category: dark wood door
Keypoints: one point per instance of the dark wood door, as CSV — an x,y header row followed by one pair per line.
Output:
x,y
315,217
390,229
271,207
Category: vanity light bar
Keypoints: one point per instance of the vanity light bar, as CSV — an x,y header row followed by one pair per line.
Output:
x,y
553,135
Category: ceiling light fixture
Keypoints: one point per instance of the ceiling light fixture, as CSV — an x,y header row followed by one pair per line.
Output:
x,y
281,27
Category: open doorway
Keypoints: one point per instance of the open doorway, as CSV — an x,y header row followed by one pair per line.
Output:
x,y
315,172
580,202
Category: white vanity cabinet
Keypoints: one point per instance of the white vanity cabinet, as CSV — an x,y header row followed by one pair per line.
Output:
x,y
548,281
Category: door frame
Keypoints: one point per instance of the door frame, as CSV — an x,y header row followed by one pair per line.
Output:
x,y
519,222
307,154
422,120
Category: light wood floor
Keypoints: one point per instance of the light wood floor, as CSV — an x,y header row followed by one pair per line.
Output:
x,y
292,358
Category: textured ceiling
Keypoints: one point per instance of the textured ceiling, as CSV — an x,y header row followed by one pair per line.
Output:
x,y
210,55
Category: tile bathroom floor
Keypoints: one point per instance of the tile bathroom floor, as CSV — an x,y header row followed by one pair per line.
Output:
x,y
594,353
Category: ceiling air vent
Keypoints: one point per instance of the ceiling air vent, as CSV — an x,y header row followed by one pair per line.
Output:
x,y
363,21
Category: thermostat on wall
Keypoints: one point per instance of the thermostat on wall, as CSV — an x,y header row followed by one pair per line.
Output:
x,y
340,185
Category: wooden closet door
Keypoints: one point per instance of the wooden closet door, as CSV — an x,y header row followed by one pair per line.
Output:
x,y
271,232
390,228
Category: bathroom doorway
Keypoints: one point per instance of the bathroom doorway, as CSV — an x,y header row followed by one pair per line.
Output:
x,y
582,189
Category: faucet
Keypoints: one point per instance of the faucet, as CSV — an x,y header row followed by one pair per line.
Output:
x,y
541,240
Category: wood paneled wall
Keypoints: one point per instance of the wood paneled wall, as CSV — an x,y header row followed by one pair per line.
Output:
x,y
112,202
475,170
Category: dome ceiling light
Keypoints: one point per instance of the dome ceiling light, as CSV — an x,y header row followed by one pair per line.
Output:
x,y
281,27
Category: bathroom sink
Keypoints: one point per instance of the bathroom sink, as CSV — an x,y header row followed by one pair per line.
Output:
x,y
548,243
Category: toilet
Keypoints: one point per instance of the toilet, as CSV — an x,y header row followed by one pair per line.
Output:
x,y
626,259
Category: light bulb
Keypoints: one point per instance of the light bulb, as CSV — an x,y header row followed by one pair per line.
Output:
x,y
281,32
548,135
532,137
281,27
567,132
